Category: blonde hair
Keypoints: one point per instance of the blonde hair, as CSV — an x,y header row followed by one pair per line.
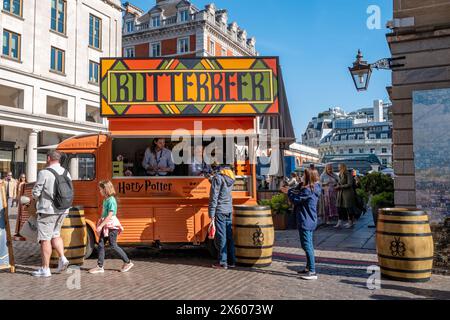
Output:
x,y
342,168
108,188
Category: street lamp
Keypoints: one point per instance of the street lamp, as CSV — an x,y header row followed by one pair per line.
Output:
x,y
361,70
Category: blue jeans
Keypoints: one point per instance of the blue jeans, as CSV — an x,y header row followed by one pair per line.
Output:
x,y
306,240
224,239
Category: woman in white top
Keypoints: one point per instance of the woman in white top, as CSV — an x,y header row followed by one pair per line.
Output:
x,y
158,160
329,180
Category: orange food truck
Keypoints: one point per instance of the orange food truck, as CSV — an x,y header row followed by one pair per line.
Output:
x,y
195,99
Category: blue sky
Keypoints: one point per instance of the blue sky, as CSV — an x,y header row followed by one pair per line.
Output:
x,y
316,41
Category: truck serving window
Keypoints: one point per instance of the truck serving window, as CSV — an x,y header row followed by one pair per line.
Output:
x,y
142,157
80,166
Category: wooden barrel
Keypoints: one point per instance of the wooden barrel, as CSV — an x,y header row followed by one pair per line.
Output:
x,y
74,236
404,245
253,235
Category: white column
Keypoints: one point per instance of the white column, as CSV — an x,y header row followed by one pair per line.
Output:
x,y
32,156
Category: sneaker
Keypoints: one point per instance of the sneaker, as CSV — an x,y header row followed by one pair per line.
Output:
x,y
219,266
127,266
304,271
309,276
97,269
349,225
339,224
42,273
63,263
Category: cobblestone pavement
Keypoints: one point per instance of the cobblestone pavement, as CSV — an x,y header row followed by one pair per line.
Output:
x,y
342,260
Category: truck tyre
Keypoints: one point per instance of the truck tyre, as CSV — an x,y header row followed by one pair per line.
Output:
x,y
211,247
90,245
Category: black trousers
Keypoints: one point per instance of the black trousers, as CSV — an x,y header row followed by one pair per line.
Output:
x,y
346,213
113,242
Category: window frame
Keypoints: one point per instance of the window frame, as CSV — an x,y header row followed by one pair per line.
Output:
x,y
184,15
10,50
10,11
179,45
212,47
64,32
66,161
95,81
152,49
128,23
156,18
126,51
94,19
56,62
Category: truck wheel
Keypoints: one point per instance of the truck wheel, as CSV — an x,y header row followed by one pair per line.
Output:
x,y
90,246
211,247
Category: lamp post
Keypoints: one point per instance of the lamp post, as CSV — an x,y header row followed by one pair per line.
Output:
x,y
362,71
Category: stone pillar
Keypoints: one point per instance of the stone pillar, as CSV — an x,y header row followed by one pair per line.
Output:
x,y
32,156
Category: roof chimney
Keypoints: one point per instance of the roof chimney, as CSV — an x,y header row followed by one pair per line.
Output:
x,y
378,111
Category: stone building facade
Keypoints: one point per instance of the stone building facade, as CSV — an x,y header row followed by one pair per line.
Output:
x,y
421,34
49,74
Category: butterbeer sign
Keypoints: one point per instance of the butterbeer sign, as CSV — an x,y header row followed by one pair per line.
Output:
x,y
189,87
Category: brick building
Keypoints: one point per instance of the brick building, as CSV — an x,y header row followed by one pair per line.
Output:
x,y
179,28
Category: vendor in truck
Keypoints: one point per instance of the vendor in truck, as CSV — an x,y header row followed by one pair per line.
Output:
x,y
158,160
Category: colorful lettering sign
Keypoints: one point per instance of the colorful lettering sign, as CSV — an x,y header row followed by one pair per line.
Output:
x,y
189,87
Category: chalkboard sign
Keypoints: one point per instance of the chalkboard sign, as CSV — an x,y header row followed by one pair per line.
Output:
x,y
6,253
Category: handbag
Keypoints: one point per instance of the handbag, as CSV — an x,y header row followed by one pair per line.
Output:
x,y
212,230
29,229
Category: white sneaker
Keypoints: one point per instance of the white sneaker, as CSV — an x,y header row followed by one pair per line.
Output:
x,y
97,269
348,225
63,263
339,224
42,273
310,276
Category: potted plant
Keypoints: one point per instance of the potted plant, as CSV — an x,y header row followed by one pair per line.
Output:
x,y
378,190
280,207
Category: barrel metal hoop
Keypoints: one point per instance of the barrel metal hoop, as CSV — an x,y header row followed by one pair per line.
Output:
x,y
73,227
396,234
257,265
253,258
404,214
252,208
75,216
75,247
254,226
405,271
253,247
405,279
405,259
253,215
402,222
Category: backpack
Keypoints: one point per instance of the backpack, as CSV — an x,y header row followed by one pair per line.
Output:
x,y
63,190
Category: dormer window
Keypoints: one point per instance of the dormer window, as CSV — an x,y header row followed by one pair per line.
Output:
x,y
156,22
130,26
184,15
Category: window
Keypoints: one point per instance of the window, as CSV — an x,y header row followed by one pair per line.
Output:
x,y
156,22
80,166
383,150
93,114
56,106
57,60
129,52
344,137
384,136
372,150
183,45
95,31
11,45
184,15
351,137
384,162
360,137
156,49
372,136
212,48
350,151
58,16
13,7
93,72
130,26
361,150
11,97
341,151
224,52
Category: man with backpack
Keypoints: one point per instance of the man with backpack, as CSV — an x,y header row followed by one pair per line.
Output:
x,y
53,192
